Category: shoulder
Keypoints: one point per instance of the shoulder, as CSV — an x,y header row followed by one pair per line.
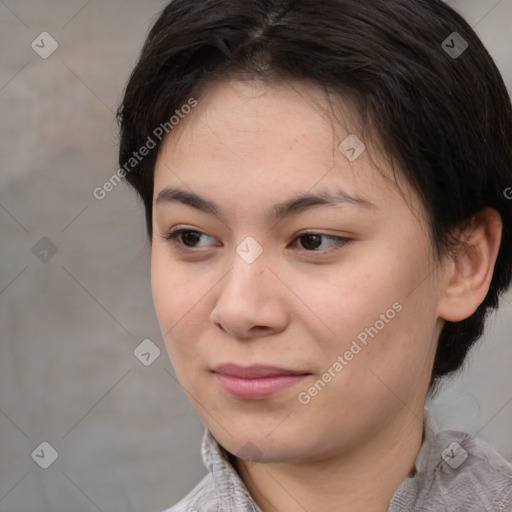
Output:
x,y
467,474
201,498
456,472
475,469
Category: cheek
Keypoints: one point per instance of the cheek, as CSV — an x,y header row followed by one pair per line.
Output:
x,y
374,319
346,301
178,300
394,358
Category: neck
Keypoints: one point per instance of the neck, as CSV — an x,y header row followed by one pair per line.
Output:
x,y
362,479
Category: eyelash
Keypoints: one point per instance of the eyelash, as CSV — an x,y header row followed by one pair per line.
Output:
x,y
174,235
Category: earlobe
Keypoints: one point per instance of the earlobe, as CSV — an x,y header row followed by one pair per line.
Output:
x,y
471,266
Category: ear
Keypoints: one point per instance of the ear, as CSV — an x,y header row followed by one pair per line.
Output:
x,y
469,269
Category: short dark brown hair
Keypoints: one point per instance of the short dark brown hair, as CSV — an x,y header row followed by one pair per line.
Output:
x,y
414,69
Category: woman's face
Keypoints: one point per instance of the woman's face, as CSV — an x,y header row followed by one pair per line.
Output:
x,y
252,282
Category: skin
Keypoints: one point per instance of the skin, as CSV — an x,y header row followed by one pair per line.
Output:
x,y
248,146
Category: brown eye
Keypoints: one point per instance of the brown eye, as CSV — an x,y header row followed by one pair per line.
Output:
x,y
312,242
188,238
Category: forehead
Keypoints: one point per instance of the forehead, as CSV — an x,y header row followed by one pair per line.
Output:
x,y
256,115
275,138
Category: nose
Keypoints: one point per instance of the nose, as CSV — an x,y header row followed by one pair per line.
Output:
x,y
251,301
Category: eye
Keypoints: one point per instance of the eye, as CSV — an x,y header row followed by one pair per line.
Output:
x,y
313,242
189,239
185,237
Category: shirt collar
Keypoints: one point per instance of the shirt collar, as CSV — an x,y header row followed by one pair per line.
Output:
x,y
231,491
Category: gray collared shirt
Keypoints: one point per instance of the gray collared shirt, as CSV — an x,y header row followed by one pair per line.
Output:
x,y
455,472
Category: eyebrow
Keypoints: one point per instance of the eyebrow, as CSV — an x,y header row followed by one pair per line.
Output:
x,y
293,206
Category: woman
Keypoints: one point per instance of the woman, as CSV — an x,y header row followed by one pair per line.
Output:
x,y
325,193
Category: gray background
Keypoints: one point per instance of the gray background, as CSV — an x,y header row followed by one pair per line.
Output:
x,y
126,436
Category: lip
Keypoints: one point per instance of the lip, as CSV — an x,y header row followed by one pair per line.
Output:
x,y
254,371
256,382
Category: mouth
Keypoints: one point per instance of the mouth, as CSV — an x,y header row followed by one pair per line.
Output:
x,y
256,382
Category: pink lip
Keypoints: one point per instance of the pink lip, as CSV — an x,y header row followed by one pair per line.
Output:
x,y
255,382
